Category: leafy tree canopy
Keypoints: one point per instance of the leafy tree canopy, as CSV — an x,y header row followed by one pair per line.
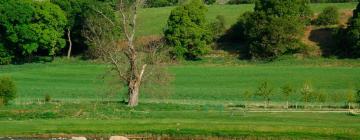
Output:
x,y
275,27
27,26
187,30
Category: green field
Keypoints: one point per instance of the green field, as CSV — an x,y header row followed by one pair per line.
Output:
x,y
104,119
190,123
152,21
193,82
205,97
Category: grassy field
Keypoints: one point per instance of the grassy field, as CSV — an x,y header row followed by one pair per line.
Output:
x,y
174,120
194,82
152,21
205,97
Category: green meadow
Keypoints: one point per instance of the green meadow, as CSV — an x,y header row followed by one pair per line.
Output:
x,y
195,82
204,99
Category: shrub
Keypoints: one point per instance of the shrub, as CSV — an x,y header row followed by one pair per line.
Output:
x,y
187,31
329,16
47,98
7,90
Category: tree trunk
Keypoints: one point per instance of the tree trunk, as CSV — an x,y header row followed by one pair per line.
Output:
x,y
133,94
287,104
265,105
70,43
349,104
134,84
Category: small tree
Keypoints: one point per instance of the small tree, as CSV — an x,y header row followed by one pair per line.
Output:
x,y
187,31
7,90
287,91
329,16
358,97
247,97
306,92
265,91
350,98
336,97
321,97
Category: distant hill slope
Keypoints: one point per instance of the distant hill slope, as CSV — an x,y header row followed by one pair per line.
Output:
x,y
152,21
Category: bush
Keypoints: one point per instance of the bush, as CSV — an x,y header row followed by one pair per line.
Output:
x,y
47,98
329,16
187,31
7,90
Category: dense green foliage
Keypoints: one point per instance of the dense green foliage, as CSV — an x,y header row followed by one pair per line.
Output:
x,y
149,17
353,34
275,27
27,27
329,16
7,90
187,31
74,10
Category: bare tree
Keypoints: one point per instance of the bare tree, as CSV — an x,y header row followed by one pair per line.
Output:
x,y
131,62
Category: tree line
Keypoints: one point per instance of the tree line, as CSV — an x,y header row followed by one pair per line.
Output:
x,y
31,28
305,94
